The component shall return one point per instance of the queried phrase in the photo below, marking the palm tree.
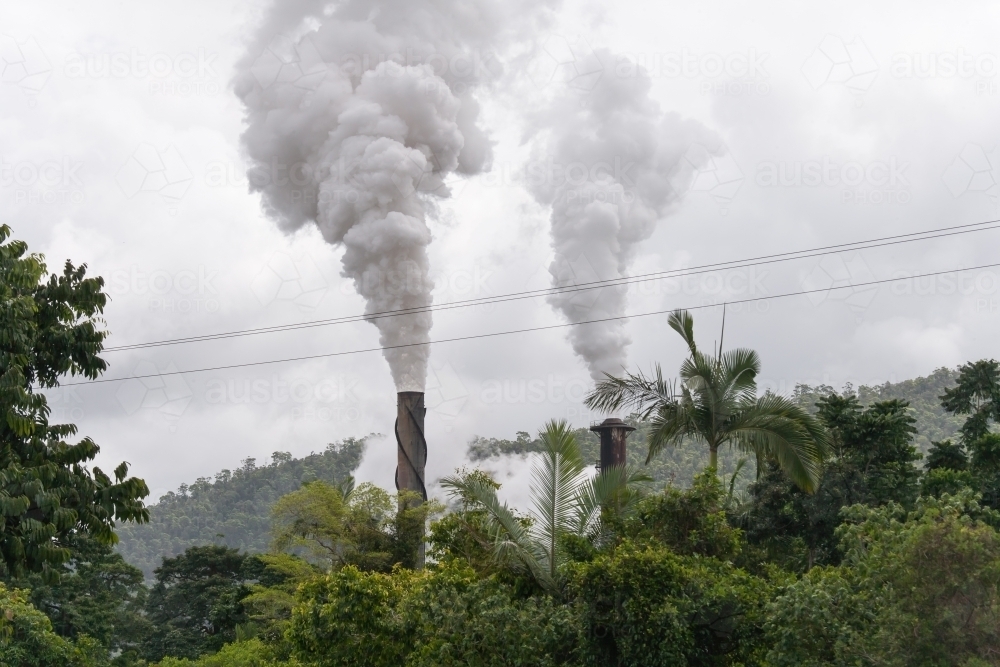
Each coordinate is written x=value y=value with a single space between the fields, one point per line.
x=718 y=404
x=565 y=502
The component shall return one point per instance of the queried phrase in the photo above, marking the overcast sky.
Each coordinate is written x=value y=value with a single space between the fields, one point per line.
x=887 y=113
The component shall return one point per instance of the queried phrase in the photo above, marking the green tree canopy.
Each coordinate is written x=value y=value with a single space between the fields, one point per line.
x=871 y=460
x=976 y=394
x=98 y=595
x=342 y=525
x=194 y=606
x=916 y=589
x=49 y=327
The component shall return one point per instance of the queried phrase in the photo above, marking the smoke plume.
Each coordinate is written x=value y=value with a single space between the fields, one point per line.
x=611 y=165
x=356 y=113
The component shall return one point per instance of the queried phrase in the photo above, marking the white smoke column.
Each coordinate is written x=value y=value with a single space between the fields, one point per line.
x=612 y=165
x=356 y=112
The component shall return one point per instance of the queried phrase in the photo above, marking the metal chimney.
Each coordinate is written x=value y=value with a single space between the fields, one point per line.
x=613 y=432
x=411 y=449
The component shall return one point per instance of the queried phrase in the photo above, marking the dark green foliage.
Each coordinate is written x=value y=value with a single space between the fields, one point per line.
x=877 y=442
x=922 y=589
x=272 y=596
x=644 y=605
x=462 y=534
x=458 y=619
x=351 y=618
x=98 y=594
x=933 y=422
x=195 y=605
x=446 y=617
x=986 y=453
x=947 y=456
x=689 y=522
x=939 y=481
x=26 y=636
x=976 y=395
x=236 y=506
x=871 y=462
x=49 y=328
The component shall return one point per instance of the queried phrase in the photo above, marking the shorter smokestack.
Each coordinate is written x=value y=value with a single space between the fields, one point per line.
x=411 y=453
x=613 y=432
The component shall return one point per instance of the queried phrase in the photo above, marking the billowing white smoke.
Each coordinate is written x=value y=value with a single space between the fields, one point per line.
x=611 y=166
x=356 y=112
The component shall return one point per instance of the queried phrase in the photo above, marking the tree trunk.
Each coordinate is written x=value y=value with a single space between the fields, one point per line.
x=713 y=457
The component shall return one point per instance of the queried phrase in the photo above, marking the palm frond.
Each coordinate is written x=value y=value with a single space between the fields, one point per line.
x=682 y=322
x=346 y=487
x=739 y=369
x=636 y=391
x=511 y=542
x=669 y=425
x=557 y=475
x=615 y=489
x=775 y=428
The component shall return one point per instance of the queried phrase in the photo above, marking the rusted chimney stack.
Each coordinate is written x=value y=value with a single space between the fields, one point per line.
x=411 y=450
x=613 y=432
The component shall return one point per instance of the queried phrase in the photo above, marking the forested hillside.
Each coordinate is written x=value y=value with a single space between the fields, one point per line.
x=234 y=508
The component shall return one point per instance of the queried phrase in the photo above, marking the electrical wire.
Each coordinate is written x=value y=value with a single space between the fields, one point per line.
x=526 y=330
x=598 y=284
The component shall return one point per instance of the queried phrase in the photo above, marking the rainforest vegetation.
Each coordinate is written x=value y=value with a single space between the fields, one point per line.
x=848 y=527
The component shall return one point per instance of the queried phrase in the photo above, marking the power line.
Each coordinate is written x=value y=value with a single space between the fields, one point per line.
x=527 y=330
x=597 y=284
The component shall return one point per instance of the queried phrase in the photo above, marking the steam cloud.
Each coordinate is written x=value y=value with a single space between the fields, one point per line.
x=356 y=113
x=614 y=165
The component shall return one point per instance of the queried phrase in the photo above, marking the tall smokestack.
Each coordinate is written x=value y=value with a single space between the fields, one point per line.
x=411 y=452
x=613 y=432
